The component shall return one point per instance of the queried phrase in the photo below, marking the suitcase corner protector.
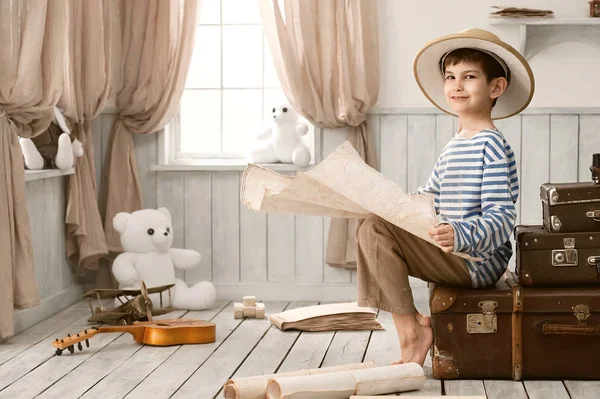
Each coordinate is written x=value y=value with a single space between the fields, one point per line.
x=443 y=367
x=442 y=298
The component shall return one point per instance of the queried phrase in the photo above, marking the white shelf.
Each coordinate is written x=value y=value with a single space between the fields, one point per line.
x=536 y=34
x=31 y=175
x=544 y=21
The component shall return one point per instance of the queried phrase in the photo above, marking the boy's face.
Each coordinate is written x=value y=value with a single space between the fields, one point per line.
x=467 y=90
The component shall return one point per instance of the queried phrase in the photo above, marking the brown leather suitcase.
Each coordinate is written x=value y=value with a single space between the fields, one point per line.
x=547 y=259
x=512 y=332
x=570 y=207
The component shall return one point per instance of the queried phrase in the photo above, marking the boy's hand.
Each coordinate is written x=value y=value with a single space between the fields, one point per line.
x=443 y=235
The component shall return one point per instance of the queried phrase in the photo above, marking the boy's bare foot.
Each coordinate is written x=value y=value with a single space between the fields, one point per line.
x=415 y=335
x=415 y=344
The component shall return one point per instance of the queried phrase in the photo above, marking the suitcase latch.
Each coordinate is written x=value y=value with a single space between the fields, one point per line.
x=567 y=256
x=594 y=215
x=485 y=322
x=556 y=223
x=582 y=313
x=594 y=261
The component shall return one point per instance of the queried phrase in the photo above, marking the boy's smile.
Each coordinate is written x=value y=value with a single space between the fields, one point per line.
x=466 y=88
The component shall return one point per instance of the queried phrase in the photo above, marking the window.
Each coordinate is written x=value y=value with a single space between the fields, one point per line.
x=231 y=86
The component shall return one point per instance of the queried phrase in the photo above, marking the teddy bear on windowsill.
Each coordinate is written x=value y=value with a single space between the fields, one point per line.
x=54 y=148
x=282 y=141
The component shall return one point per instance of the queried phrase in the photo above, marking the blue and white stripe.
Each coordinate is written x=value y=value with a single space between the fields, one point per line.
x=475 y=188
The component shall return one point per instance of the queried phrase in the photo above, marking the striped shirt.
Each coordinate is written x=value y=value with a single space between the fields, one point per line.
x=475 y=188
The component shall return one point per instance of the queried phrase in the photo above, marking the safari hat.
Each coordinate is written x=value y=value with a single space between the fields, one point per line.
x=428 y=70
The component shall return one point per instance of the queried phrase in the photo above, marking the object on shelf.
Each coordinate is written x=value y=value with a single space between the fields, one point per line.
x=515 y=12
x=594 y=8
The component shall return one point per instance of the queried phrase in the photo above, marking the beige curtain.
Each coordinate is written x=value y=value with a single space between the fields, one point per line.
x=158 y=40
x=94 y=37
x=32 y=56
x=327 y=59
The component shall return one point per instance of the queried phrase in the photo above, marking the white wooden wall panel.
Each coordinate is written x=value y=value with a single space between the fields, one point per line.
x=281 y=248
x=444 y=131
x=253 y=245
x=535 y=166
x=394 y=148
x=309 y=249
x=35 y=207
x=226 y=227
x=421 y=150
x=171 y=196
x=252 y=249
x=564 y=130
x=589 y=143
x=58 y=288
x=198 y=223
x=57 y=218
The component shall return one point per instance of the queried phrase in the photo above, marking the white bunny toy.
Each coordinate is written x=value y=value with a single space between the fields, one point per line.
x=54 y=147
x=282 y=141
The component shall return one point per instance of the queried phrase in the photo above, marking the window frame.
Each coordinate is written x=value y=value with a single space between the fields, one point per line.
x=170 y=140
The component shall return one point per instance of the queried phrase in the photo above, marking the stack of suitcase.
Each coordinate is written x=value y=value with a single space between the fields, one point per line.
x=543 y=322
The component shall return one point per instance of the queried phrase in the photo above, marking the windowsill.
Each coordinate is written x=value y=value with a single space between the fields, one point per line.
x=224 y=165
x=31 y=175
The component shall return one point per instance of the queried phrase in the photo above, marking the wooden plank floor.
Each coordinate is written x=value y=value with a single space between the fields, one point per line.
x=116 y=367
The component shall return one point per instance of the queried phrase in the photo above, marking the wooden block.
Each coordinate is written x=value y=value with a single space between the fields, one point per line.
x=249 y=301
x=238 y=310
x=249 y=311
x=260 y=311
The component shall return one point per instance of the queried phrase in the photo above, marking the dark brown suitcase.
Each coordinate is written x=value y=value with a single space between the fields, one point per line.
x=547 y=259
x=570 y=207
x=511 y=332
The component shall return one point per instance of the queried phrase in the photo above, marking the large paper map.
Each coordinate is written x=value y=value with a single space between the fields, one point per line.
x=343 y=186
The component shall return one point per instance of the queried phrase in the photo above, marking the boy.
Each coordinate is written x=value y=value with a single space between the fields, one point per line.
x=475 y=76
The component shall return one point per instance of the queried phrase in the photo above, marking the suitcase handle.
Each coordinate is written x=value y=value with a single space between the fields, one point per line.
x=549 y=328
x=594 y=215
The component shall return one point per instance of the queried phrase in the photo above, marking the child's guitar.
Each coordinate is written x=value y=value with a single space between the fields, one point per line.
x=157 y=333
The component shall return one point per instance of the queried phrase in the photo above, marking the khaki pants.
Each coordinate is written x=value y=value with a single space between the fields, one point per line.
x=387 y=255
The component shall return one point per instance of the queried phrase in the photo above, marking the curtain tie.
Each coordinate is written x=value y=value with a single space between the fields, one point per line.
x=2 y=112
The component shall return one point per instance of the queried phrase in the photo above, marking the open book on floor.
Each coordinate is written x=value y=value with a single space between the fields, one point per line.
x=328 y=317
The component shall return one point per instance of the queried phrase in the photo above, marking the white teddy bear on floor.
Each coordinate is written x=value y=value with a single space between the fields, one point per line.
x=146 y=238
x=282 y=141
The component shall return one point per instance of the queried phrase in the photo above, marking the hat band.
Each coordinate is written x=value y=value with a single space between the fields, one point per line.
x=494 y=56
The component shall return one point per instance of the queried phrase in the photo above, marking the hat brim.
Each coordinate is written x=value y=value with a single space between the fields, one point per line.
x=515 y=98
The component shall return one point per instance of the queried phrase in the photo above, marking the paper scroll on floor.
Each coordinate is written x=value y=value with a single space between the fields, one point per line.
x=255 y=387
x=343 y=384
x=343 y=186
